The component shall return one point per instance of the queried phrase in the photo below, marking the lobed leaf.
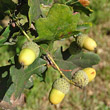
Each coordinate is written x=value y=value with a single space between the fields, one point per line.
x=68 y=62
x=21 y=76
x=60 y=23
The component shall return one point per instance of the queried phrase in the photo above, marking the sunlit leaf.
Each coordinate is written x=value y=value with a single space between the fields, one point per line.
x=60 y=23
x=68 y=62
x=21 y=76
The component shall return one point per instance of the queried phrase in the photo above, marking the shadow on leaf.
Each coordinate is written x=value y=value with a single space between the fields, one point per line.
x=5 y=80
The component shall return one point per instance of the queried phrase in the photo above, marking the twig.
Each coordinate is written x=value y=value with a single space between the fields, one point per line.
x=23 y=32
x=70 y=81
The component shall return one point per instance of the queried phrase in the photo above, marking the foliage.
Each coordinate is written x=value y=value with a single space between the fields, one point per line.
x=27 y=20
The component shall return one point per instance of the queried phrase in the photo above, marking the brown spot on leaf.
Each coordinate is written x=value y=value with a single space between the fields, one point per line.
x=62 y=36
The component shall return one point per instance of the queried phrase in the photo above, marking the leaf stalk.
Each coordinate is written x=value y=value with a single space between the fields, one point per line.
x=70 y=81
x=23 y=32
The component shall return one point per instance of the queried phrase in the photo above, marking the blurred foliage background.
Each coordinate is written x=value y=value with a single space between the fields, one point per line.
x=96 y=96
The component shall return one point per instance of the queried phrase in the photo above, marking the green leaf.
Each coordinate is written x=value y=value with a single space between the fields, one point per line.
x=23 y=17
x=45 y=9
x=68 y=62
x=84 y=26
x=38 y=67
x=78 y=7
x=21 y=76
x=1 y=28
x=5 y=83
x=34 y=10
x=51 y=75
x=29 y=83
x=9 y=93
x=15 y=80
x=6 y=6
x=4 y=36
x=20 y=41
x=74 y=48
x=44 y=48
x=12 y=60
x=60 y=23
x=23 y=14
